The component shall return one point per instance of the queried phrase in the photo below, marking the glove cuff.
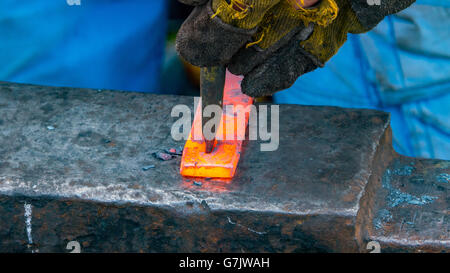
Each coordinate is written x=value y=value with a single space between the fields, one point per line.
x=322 y=13
x=242 y=14
x=205 y=40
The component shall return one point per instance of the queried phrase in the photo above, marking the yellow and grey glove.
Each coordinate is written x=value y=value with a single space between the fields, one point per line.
x=273 y=42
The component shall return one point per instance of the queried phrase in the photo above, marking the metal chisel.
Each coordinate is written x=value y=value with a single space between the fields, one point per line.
x=212 y=82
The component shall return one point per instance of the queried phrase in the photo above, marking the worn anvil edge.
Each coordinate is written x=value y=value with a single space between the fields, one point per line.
x=178 y=206
x=411 y=242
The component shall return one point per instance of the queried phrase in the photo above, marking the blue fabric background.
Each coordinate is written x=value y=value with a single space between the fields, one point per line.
x=110 y=44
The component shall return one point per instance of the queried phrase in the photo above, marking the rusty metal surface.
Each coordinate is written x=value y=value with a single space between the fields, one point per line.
x=79 y=158
x=411 y=212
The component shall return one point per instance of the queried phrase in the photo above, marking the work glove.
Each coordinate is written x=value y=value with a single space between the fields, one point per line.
x=273 y=42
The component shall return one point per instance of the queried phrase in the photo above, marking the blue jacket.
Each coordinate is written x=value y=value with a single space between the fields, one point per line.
x=402 y=66
x=111 y=44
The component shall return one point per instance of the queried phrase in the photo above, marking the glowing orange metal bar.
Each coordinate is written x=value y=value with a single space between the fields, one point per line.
x=223 y=160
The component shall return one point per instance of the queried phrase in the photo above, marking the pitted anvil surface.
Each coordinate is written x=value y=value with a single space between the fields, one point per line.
x=76 y=158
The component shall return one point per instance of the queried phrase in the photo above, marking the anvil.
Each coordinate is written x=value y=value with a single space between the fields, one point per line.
x=334 y=185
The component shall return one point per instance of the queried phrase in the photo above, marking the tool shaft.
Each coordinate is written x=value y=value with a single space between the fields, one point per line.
x=212 y=81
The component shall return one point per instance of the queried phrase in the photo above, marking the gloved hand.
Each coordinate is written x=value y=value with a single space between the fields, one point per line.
x=273 y=42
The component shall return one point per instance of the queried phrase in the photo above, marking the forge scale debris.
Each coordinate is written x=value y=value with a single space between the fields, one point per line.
x=146 y=168
x=163 y=156
x=174 y=151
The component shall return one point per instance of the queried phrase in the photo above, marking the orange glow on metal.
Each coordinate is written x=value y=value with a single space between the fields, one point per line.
x=223 y=160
